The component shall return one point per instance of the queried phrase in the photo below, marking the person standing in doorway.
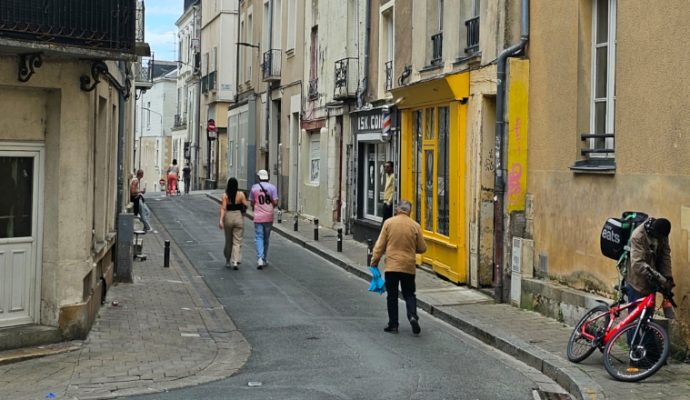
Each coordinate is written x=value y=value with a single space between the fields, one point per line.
x=264 y=198
x=136 y=196
x=388 y=191
x=232 y=207
x=401 y=239
x=186 y=176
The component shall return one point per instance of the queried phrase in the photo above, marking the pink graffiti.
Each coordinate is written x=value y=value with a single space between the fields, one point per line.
x=514 y=176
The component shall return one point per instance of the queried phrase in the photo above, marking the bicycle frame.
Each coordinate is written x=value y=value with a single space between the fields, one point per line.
x=640 y=310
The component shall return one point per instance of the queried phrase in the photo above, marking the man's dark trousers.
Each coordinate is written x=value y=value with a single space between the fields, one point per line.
x=407 y=284
x=387 y=212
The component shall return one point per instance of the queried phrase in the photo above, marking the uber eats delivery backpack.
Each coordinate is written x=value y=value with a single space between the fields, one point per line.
x=617 y=231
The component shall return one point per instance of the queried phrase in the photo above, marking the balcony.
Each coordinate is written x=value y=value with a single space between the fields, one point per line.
x=472 y=26
x=143 y=74
x=271 y=65
x=180 y=121
x=346 y=78
x=313 y=89
x=208 y=82
x=437 y=49
x=388 y=84
x=86 y=28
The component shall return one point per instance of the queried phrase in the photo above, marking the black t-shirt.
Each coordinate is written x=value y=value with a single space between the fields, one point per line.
x=186 y=171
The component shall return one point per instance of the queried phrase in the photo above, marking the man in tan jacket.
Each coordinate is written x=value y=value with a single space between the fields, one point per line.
x=400 y=239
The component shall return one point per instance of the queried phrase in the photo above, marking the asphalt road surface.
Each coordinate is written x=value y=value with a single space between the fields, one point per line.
x=317 y=333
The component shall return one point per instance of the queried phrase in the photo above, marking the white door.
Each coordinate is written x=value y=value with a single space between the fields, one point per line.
x=20 y=233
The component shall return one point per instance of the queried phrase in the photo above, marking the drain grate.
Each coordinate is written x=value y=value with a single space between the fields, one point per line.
x=542 y=395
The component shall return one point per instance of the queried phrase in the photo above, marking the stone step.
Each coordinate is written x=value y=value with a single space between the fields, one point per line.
x=28 y=336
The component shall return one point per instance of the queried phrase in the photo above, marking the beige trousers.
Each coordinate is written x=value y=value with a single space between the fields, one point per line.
x=233 y=223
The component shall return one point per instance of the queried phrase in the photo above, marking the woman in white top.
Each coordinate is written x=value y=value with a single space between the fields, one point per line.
x=173 y=170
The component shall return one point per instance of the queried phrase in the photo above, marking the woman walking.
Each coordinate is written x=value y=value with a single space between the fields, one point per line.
x=232 y=222
x=173 y=170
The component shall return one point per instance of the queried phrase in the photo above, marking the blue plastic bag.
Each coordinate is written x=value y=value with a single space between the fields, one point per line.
x=377 y=284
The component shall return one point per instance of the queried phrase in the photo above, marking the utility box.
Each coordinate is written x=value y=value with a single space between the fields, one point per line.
x=125 y=229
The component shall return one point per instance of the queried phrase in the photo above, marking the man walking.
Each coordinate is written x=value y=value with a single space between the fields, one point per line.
x=264 y=198
x=186 y=176
x=401 y=239
x=136 y=196
x=388 y=191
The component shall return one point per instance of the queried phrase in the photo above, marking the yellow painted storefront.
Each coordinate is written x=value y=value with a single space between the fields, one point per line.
x=433 y=168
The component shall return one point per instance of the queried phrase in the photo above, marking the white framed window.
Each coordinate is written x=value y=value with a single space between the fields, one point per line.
x=277 y=24
x=314 y=158
x=250 y=50
x=264 y=27
x=386 y=47
x=292 y=24
x=603 y=94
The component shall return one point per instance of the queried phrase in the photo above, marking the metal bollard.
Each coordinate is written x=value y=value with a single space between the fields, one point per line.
x=166 y=255
x=370 y=250
x=280 y=216
x=316 y=229
x=340 y=240
x=294 y=225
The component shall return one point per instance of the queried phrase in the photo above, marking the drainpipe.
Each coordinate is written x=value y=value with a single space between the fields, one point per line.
x=499 y=177
x=124 y=67
x=365 y=80
x=268 y=91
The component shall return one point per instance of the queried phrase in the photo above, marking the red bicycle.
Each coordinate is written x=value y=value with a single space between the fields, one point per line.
x=634 y=348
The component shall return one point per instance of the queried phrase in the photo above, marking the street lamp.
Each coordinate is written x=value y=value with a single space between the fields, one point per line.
x=141 y=132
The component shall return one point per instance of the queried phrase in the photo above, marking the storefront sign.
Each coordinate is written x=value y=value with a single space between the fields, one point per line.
x=368 y=121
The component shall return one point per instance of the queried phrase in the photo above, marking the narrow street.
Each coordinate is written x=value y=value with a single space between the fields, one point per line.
x=316 y=333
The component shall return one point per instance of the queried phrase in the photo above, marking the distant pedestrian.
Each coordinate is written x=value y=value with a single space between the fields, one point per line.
x=401 y=239
x=388 y=191
x=186 y=176
x=264 y=198
x=173 y=171
x=136 y=196
x=232 y=207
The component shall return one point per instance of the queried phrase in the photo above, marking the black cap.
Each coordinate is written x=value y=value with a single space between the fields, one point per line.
x=661 y=227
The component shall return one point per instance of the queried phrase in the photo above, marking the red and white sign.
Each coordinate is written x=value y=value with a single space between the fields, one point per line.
x=211 y=125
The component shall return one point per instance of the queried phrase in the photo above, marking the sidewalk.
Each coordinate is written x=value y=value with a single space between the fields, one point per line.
x=164 y=331
x=530 y=337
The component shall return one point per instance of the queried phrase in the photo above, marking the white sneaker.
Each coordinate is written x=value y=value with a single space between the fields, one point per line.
x=260 y=263
x=234 y=265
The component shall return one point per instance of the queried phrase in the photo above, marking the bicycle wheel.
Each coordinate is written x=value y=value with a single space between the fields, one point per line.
x=596 y=321
x=633 y=362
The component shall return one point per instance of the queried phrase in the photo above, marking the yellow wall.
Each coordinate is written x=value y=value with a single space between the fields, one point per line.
x=651 y=143
x=518 y=85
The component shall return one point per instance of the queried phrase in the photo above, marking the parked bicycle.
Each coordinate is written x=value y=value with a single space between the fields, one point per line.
x=635 y=347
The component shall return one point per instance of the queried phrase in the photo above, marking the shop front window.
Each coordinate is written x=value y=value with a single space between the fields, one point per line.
x=375 y=178
x=417 y=164
x=442 y=173
x=431 y=168
x=429 y=190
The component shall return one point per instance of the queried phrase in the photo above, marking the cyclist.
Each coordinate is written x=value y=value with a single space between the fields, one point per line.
x=650 y=259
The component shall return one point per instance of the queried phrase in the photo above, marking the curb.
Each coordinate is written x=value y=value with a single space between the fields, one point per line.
x=572 y=379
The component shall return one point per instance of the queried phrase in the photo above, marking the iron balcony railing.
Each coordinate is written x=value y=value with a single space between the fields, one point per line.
x=143 y=73
x=472 y=25
x=599 y=143
x=313 y=89
x=346 y=78
x=271 y=65
x=107 y=25
x=437 y=49
x=389 y=76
